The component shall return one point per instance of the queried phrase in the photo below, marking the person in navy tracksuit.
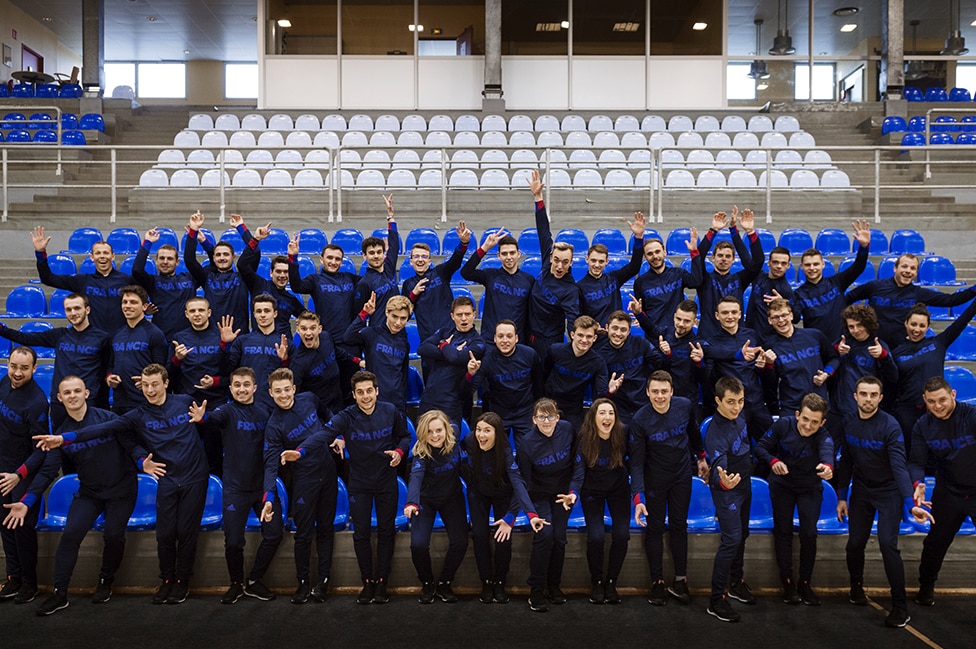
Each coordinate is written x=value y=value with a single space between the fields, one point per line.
x=506 y=289
x=287 y=304
x=947 y=434
x=510 y=375
x=240 y=424
x=107 y=485
x=682 y=349
x=600 y=288
x=435 y=487
x=570 y=368
x=381 y=272
x=102 y=288
x=602 y=449
x=728 y=454
x=800 y=455
x=661 y=289
x=263 y=350
x=138 y=344
x=553 y=477
x=375 y=435
x=385 y=347
x=554 y=301
x=630 y=357
x=222 y=285
x=23 y=415
x=331 y=289
x=163 y=441
x=317 y=363
x=722 y=281
x=430 y=287
x=294 y=420
x=766 y=287
x=665 y=452
x=495 y=490
x=873 y=452
x=447 y=353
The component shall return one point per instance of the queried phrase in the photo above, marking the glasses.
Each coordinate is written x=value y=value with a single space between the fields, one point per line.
x=781 y=316
x=420 y=256
x=546 y=418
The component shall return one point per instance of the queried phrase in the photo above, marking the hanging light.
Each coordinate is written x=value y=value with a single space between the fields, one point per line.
x=955 y=44
x=782 y=43
x=915 y=70
x=758 y=68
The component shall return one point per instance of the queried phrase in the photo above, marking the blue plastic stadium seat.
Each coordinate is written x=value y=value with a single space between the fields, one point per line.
x=73 y=138
x=22 y=91
x=213 y=509
x=935 y=270
x=341 y=520
x=963 y=348
x=917 y=124
x=945 y=124
x=19 y=136
x=13 y=120
x=47 y=91
x=306 y=266
x=878 y=245
x=58 y=501
x=71 y=91
x=827 y=522
x=941 y=138
x=92 y=122
x=41 y=121
x=415 y=386
x=208 y=235
x=311 y=241
x=144 y=515
x=576 y=522
x=832 y=241
x=276 y=243
x=484 y=235
x=36 y=326
x=254 y=525
x=866 y=276
x=613 y=239
x=231 y=236
x=701 y=509
x=124 y=241
x=913 y=139
x=26 y=302
x=425 y=235
x=677 y=239
x=532 y=265
x=796 y=240
x=349 y=239
x=69 y=122
x=960 y=94
x=406 y=270
x=528 y=242
x=167 y=236
x=966 y=138
x=576 y=238
x=907 y=240
x=264 y=268
x=43 y=376
x=936 y=94
x=413 y=339
x=4 y=91
x=55 y=304
x=761 y=511
x=384 y=233
x=893 y=124
x=46 y=137
x=912 y=93
x=81 y=241
x=962 y=381
x=4 y=352
x=968 y=123
x=451 y=241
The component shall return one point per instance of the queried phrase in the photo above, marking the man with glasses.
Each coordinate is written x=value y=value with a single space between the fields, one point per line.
x=430 y=288
x=767 y=287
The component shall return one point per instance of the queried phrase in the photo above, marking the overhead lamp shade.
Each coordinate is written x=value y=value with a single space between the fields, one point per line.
x=782 y=44
x=955 y=45
x=758 y=70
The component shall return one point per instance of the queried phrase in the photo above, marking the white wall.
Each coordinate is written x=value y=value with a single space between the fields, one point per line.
x=57 y=57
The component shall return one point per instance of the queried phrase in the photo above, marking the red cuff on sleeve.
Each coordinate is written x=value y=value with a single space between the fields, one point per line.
x=400 y=451
x=22 y=472
x=216 y=380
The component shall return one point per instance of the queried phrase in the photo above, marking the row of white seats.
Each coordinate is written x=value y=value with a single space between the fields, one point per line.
x=492 y=159
x=387 y=139
x=495 y=179
x=597 y=123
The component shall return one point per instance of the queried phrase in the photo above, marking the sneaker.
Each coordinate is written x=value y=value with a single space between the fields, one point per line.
x=598 y=595
x=445 y=592
x=789 y=593
x=320 y=591
x=302 y=593
x=898 y=618
x=806 y=594
x=742 y=593
x=487 y=595
x=679 y=591
x=537 y=602
x=926 y=595
x=556 y=596
x=501 y=597
x=26 y=594
x=427 y=593
x=659 y=594
x=857 y=596
x=9 y=588
x=366 y=594
x=613 y=597
x=234 y=593
x=178 y=595
x=103 y=592
x=721 y=609
x=162 y=593
x=380 y=596
x=258 y=590
x=57 y=601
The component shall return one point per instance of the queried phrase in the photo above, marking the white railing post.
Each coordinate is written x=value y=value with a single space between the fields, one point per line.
x=769 y=188
x=223 y=188
x=443 y=185
x=114 y=153
x=5 y=197
x=877 y=185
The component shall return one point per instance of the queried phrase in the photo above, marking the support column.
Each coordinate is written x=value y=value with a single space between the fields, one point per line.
x=892 y=72
x=92 y=42
x=492 y=101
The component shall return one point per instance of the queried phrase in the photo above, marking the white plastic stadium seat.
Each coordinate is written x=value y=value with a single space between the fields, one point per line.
x=524 y=159
x=432 y=159
x=440 y=123
x=246 y=178
x=612 y=159
x=370 y=178
x=599 y=123
x=281 y=122
x=558 y=178
x=413 y=123
x=679 y=123
x=679 y=178
x=546 y=123
x=660 y=139
x=344 y=180
x=672 y=158
x=212 y=178
x=463 y=178
x=406 y=159
x=289 y=159
x=787 y=123
x=710 y=178
x=360 y=123
x=625 y=123
x=639 y=159
x=233 y=159
x=549 y=138
x=745 y=140
x=756 y=159
x=153 y=178
x=728 y=158
x=707 y=123
x=690 y=139
x=184 y=178
x=354 y=138
x=834 y=178
x=439 y=138
x=277 y=178
x=200 y=122
x=299 y=139
x=382 y=139
x=760 y=123
x=466 y=138
x=788 y=159
x=774 y=139
x=633 y=138
x=776 y=179
x=493 y=138
x=520 y=123
x=243 y=140
x=214 y=139
x=271 y=140
x=521 y=138
x=587 y=178
x=464 y=159
x=467 y=123
x=401 y=178
x=387 y=123
x=376 y=160
x=318 y=158
x=410 y=138
x=260 y=159
x=334 y=123
x=171 y=158
x=802 y=140
x=741 y=178
x=253 y=122
x=578 y=139
x=817 y=159
x=493 y=123
x=733 y=123
x=494 y=159
x=643 y=179
x=618 y=178
x=699 y=159
x=200 y=158
x=227 y=122
x=307 y=122
x=582 y=159
x=430 y=178
x=804 y=178
x=653 y=123
x=349 y=159
x=326 y=139
x=309 y=178
x=606 y=140
x=717 y=140
x=494 y=178
x=186 y=139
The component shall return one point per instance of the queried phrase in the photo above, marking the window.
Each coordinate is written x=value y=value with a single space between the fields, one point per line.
x=966 y=76
x=823 y=81
x=241 y=80
x=119 y=74
x=738 y=84
x=161 y=81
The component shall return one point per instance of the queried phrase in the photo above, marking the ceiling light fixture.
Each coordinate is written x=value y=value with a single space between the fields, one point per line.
x=46 y=19
x=955 y=44
x=757 y=70
x=843 y=12
x=626 y=27
x=415 y=28
x=564 y=24
x=782 y=44
x=152 y=19
x=700 y=27
x=849 y=27
x=284 y=22
x=548 y=27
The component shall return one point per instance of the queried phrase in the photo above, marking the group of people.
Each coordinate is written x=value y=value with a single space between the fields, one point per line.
x=246 y=383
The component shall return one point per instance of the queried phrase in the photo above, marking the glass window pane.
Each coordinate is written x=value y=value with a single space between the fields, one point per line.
x=372 y=28
x=966 y=76
x=241 y=81
x=738 y=84
x=823 y=81
x=539 y=27
x=310 y=27
x=119 y=74
x=458 y=25
x=673 y=27
x=161 y=80
x=609 y=27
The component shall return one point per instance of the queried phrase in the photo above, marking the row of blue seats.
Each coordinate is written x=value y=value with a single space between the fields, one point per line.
x=918 y=139
x=942 y=124
x=42 y=91
x=936 y=93
x=23 y=136
x=44 y=121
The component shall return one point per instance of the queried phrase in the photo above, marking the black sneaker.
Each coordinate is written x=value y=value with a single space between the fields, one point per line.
x=26 y=594
x=898 y=618
x=427 y=593
x=10 y=588
x=180 y=590
x=537 y=602
x=445 y=592
x=598 y=595
x=380 y=596
x=742 y=593
x=659 y=594
x=162 y=593
x=234 y=593
x=789 y=593
x=320 y=591
x=302 y=593
x=679 y=591
x=613 y=597
x=721 y=609
x=103 y=592
x=366 y=594
x=556 y=596
x=501 y=597
x=57 y=601
x=926 y=595
x=258 y=590
x=857 y=596
x=806 y=594
x=487 y=595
